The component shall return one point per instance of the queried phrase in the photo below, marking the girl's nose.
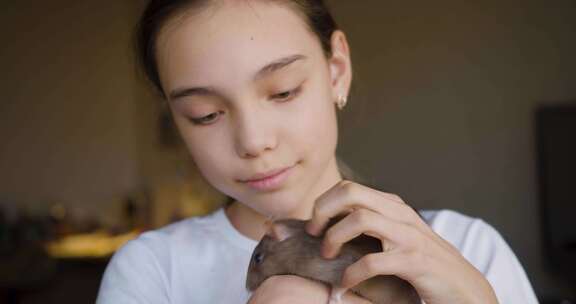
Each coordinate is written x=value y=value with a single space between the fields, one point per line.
x=255 y=134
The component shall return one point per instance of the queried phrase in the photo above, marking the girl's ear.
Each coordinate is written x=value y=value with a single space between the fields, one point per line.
x=279 y=231
x=340 y=65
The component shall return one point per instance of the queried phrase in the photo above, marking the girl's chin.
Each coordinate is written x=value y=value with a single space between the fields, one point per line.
x=275 y=207
x=283 y=203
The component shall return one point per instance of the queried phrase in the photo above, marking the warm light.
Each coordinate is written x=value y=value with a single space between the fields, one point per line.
x=94 y=245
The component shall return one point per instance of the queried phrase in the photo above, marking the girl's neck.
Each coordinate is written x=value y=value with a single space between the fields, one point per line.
x=247 y=221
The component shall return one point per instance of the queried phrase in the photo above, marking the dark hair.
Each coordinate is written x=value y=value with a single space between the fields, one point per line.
x=158 y=12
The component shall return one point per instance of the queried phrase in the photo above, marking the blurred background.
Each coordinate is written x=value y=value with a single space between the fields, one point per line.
x=465 y=105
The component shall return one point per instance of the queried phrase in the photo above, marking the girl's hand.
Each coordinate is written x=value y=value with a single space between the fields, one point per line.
x=288 y=289
x=412 y=251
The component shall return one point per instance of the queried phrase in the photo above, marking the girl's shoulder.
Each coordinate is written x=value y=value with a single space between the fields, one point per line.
x=190 y=227
x=485 y=248
x=192 y=237
x=161 y=239
x=142 y=270
x=463 y=231
x=209 y=231
x=166 y=264
x=158 y=246
x=478 y=241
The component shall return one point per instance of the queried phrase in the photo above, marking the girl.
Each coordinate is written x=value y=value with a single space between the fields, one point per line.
x=253 y=87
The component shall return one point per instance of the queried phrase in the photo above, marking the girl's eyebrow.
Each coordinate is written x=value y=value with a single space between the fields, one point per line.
x=264 y=71
x=277 y=65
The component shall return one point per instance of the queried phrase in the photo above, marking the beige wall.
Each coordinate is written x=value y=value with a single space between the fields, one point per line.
x=442 y=106
x=67 y=118
x=441 y=111
x=78 y=127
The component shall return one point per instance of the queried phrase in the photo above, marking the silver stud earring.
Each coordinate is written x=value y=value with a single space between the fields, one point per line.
x=341 y=102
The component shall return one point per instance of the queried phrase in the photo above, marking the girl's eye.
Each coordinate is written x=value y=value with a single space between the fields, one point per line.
x=208 y=119
x=288 y=95
x=212 y=117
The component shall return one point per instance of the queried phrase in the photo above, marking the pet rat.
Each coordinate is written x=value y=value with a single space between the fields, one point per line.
x=288 y=249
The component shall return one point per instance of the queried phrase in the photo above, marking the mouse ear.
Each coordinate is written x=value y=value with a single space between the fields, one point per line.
x=279 y=231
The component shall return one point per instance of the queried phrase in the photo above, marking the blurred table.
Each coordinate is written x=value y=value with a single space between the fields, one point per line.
x=29 y=278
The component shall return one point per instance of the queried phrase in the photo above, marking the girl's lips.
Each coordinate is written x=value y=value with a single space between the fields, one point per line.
x=261 y=176
x=270 y=181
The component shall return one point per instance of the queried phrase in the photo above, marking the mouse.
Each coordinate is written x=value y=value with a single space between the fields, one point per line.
x=287 y=249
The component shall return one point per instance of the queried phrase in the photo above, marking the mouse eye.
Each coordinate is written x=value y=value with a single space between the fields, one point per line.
x=258 y=257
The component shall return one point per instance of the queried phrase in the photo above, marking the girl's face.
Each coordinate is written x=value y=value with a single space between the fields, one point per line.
x=252 y=93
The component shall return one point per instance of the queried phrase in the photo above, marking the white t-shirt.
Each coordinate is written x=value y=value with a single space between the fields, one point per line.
x=204 y=260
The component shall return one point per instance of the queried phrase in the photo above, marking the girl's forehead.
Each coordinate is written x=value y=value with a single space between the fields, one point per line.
x=235 y=25
x=231 y=39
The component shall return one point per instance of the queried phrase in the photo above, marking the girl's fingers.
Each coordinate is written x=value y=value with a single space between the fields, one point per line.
x=392 y=234
x=294 y=289
x=347 y=196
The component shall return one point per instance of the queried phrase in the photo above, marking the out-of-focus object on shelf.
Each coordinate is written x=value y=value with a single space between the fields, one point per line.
x=88 y=245
x=556 y=144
